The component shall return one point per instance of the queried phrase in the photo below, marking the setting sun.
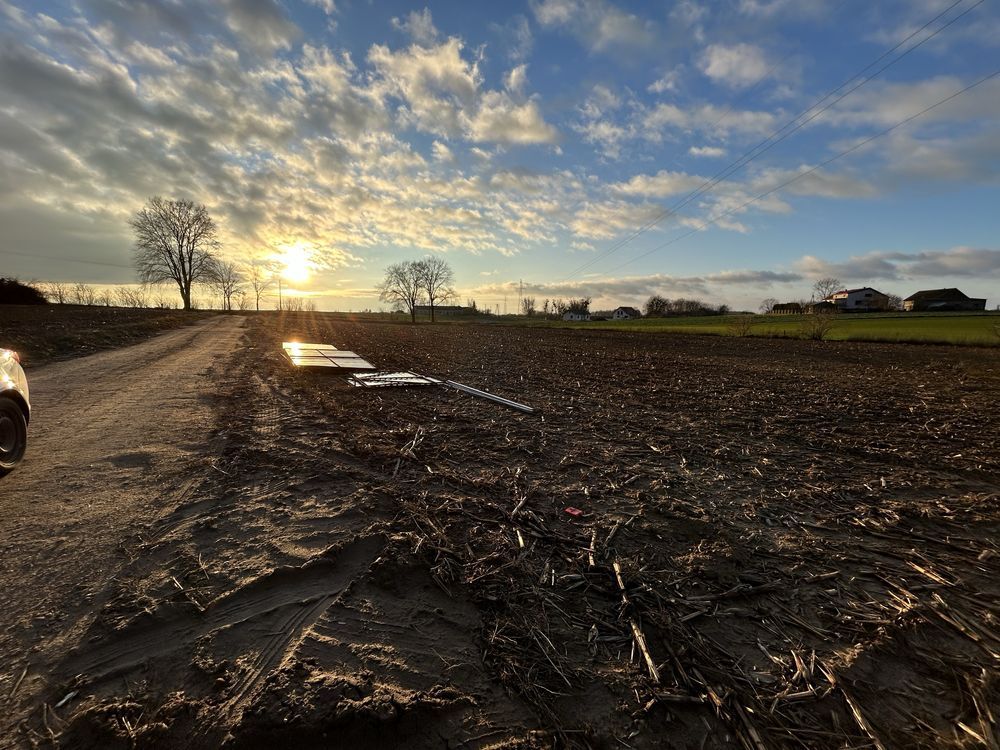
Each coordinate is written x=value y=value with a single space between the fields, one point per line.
x=296 y=262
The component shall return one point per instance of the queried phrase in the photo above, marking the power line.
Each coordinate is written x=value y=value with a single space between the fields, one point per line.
x=767 y=144
x=807 y=172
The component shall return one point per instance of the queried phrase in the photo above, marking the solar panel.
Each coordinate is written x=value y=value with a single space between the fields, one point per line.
x=323 y=355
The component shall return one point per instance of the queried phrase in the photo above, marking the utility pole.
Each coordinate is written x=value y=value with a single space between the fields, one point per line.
x=520 y=295
x=505 y=304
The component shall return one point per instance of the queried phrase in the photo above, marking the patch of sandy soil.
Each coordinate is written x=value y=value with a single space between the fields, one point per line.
x=782 y=544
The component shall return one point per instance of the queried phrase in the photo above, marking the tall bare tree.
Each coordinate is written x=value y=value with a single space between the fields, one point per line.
x=528 y=306
x=826 y=286
x=403 y=285
x=227 y=282
x=767 y=305
x=260 y=281
x=175 y=241
x=436 y=279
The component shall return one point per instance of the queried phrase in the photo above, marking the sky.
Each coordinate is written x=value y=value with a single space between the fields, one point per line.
x=564 y=147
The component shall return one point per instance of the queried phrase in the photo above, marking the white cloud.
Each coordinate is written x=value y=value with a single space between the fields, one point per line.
x=327 y=6
x=668 y=82
x=501 y=120
x=598 y=24
x=419 y=26
x=442 y=153
x=664 y=183
x=737 y=65
x=933 y=265
x=262 y=25
x=706 y=118
x=712 y=152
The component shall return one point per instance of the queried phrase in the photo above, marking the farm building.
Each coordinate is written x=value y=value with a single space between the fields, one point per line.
x=576 y=315
x=787 y=308
x=942 y=300
x=864 y=299
x=625 y=313
x=820 y=307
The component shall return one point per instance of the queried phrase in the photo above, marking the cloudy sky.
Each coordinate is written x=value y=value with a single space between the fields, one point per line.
x=582 y=146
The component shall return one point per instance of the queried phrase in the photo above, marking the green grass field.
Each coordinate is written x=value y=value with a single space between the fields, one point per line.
x=963 y=329
x=927 y=328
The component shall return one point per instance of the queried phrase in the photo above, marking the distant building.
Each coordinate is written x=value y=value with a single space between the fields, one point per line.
x=820 y=307
x=787 y=308
x=942 y=300
x=576 y=315
x=625 y=313
x=864 y=299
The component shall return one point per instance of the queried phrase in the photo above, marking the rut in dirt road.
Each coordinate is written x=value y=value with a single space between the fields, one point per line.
x=115 y=440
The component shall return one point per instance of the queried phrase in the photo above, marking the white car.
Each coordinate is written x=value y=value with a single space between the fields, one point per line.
x=15 y=410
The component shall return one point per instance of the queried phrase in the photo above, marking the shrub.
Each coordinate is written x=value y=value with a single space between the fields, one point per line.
x=817 y=326
x=740 y=325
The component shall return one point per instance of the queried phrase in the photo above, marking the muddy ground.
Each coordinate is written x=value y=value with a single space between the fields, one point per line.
x=48 y=333
x=782 y=544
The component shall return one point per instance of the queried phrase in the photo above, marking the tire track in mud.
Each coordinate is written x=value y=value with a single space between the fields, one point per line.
x=318 y=580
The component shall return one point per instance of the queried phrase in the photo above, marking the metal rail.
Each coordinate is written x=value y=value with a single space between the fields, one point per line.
x=492 y=397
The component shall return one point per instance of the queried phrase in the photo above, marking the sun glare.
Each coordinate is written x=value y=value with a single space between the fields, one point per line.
x=296 y=262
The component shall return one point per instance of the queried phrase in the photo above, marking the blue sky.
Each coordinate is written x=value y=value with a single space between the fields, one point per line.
x=523 y=141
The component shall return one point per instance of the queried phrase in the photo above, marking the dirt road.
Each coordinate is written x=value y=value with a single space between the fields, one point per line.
x=115 y=439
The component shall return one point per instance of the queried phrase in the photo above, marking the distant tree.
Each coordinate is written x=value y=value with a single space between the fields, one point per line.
x=57 y=291
x=242 y=300
x=260 y=281
x=83 y=294
x=579 y=305
x=528 y=306
x=13 y=292
x=471 y=304
x=436 y=280
x=767 y=305
x=106 y=297
x=545 y=307
x=227 y=281
x=175 y=241
x=656 y=306
x=722 y=309
x=131 y=296
x=826 y=286
x=894 y=303
x=403 y=287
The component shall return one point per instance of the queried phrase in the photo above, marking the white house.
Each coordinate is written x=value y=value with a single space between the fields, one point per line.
x=865 y=299
x=575 y=315
x=625 y=313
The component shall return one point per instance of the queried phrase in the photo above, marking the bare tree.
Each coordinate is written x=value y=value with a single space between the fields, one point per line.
x=403 y=286
x=894 y=302
x=83 y=294
x=528 y=306
x=767 y=305
x=227 y=282
x=242 y=301
x=175 y=241
x=260 y=281
x=436 y=279
x=826 y=286
x=131 y=296
x=106 y=297
x=57 y=292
